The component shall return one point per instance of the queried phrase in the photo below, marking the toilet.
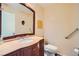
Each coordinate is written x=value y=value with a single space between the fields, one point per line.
x=50 y=50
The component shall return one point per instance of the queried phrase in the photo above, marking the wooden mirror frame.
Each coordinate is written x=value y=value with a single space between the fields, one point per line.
x=20 y=35
x=0 y=19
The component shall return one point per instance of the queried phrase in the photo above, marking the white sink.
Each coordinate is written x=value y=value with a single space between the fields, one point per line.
x=25 y=40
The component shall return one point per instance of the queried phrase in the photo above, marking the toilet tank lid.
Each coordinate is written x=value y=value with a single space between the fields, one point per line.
x=50 y=47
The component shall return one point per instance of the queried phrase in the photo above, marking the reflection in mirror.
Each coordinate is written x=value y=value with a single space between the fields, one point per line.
x=17 y=19
x=23 y=22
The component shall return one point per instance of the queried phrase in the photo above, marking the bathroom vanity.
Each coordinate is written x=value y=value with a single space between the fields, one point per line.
x=18 y=21
x=19 y=48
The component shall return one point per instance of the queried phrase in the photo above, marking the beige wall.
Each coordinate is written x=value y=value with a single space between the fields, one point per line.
x=39 y=15
x=59 y=21
x=76 y=25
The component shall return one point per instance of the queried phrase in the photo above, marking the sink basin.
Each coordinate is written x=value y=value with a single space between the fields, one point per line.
x=2 y=41
x=25 y=40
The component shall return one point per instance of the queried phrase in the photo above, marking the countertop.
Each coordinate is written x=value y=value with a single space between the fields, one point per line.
x=10 y=46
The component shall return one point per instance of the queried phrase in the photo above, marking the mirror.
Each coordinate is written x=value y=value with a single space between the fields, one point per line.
x=17 y=20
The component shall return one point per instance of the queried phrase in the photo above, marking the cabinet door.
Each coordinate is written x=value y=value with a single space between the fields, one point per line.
x=27 y=51
x=41 y=47
x=35 y=49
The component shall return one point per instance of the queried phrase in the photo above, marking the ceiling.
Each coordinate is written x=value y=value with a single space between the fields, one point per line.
x=47 y=5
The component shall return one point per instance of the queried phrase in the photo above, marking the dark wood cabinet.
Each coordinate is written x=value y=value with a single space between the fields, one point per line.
x=36 y=49
x=0 y=19
x=14 y=53
x=27 y=51
x=41 y=47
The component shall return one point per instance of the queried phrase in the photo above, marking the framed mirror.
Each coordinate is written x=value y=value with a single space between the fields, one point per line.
x=17 y=20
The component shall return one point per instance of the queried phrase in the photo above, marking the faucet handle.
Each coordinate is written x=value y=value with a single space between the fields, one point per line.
x=14 y=33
